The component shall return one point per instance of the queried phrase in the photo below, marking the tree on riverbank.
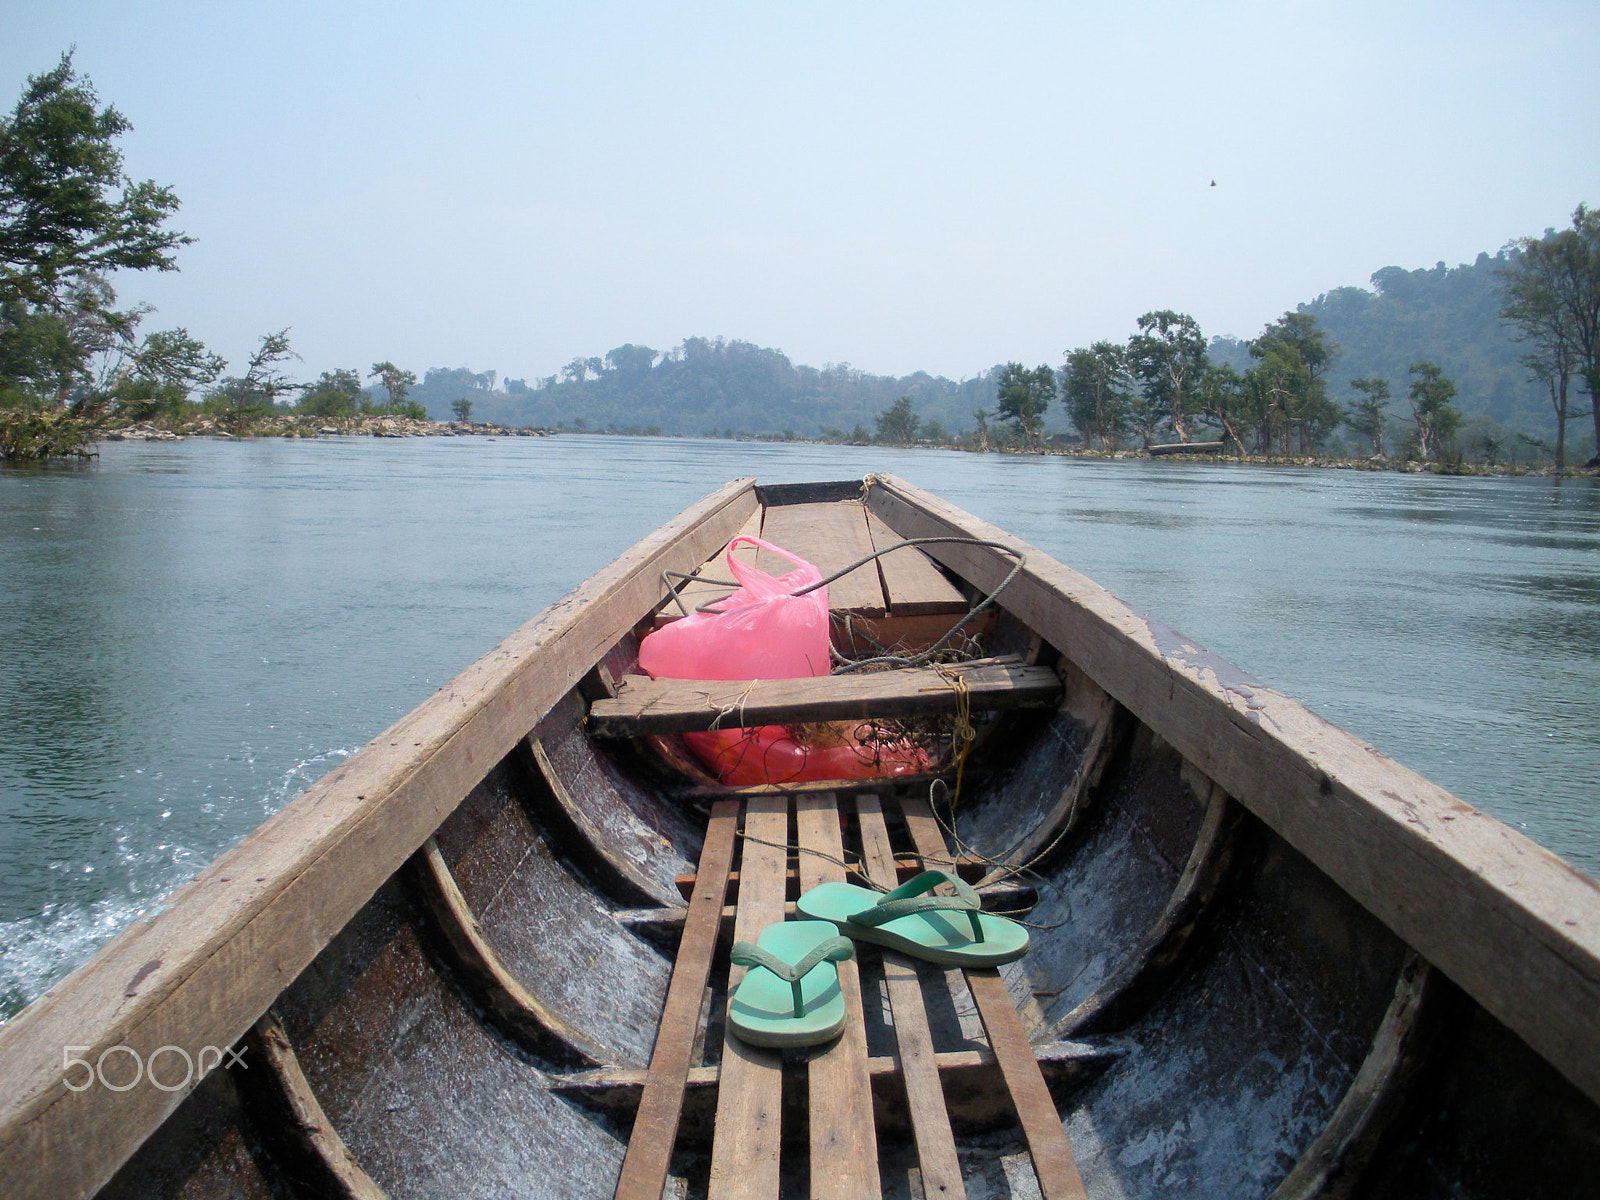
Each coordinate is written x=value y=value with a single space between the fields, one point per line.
x=1166 y=356
x=68 y=217
x=1367 y=415
x=1022 y=396
x=1431 y=411
x=1552 y=298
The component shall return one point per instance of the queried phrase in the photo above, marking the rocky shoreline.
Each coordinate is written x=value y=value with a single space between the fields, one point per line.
x=400 y=427
x=1394 y=465
x=312 y=427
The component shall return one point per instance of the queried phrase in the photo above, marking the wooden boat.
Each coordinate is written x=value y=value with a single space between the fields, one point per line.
x=487 y=956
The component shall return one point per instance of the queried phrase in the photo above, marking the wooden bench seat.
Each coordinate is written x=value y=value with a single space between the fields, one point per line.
x=645 y=707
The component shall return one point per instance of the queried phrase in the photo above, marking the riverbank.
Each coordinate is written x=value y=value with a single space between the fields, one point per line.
x=292 y=426
x=1391 y=465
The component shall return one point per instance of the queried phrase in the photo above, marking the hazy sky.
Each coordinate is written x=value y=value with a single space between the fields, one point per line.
x=899 y=186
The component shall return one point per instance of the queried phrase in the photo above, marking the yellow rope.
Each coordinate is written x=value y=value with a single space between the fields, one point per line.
x=964 y=733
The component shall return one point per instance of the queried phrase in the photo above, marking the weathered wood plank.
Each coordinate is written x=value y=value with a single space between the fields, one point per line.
x=1051 y=1153
x=913 y=585
x=645 y=706
x=700 y=590
x=1149 y=967
x=282 y=1098
x=744 y=1150
x=1331 y=1168
x=208 y=966
x=844 y=1144
x=830 y=536
x=930 y=1121
x=516 y=1010
x=1513 y=925
x=655 y=1128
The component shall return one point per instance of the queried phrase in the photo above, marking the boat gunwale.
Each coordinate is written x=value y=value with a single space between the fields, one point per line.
x=1512 y=924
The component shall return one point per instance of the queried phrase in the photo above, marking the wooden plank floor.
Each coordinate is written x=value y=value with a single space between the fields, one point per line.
x=844 y=1142
x=844 y=1162
x=744 y=1151
x=655 y=1127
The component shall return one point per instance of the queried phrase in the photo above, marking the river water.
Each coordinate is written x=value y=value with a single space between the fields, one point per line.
x=192 y=632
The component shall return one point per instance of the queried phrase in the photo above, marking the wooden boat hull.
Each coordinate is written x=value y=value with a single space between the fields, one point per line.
x=1268 y=961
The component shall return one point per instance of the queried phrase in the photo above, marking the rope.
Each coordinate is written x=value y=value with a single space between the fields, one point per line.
x=673 y=595
x=964 y=733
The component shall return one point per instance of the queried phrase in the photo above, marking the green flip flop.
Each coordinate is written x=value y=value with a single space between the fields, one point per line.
x=790 y=996
x=950 y=930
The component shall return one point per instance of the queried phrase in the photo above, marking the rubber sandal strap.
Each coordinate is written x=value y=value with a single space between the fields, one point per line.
x=911 y=897
x=834 y=949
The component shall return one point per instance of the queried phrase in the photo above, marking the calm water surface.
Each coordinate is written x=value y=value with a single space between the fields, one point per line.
x=192 y=632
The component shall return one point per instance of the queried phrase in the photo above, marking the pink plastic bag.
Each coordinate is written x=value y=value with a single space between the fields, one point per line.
x=765 y=631
x=762 y=631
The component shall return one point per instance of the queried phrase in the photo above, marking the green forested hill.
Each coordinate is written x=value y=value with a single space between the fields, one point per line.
x=1446 y=315
x=703 y=386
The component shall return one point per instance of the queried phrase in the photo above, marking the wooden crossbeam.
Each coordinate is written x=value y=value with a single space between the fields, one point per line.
x=645 y=706
x=655 y=1128
x=1048 y=1147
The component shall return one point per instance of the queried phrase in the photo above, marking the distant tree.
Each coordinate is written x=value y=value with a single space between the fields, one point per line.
x=631 y=359
x=1300 y=354
x=981 y=416
x=1221 y=396
x=264 y=380
x=933 y=431
x=1551 y=294
x=1166 y=356
x=1022 y=396
x=1096 y=392
x=1367 y=415
x=1433 y=414
x=335 y=394
x=462 y=409
x=396 y=383
x=897 y=424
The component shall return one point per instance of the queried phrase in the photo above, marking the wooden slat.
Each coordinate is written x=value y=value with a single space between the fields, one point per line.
x=655 y=1128
x=1048 y=1147
x=912 y=583
x=227 y=943
x=844 y=1144
x=830 y=536
x=1506 y=920
x=644 y=706
x=744 y=1149
x=930 y=1120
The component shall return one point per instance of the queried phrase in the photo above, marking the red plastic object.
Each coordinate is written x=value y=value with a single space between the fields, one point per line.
x=765 y=631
